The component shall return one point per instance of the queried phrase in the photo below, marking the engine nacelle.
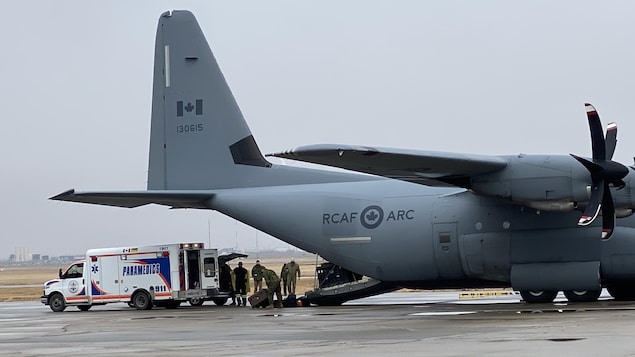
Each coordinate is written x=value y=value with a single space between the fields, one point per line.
x=544 y=182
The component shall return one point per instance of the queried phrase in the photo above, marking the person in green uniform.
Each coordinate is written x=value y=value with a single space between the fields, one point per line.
x=256 y=273
x=284 y=274
x=294 y=272
x=273 y=285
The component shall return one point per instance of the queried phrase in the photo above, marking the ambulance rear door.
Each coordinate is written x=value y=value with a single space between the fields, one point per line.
x=209 y=268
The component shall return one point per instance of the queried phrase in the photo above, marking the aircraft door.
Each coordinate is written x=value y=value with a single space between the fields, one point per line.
x=209 y=268
x=446 y=250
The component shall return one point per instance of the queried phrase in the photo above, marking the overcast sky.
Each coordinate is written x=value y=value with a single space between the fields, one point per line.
x=488 y=77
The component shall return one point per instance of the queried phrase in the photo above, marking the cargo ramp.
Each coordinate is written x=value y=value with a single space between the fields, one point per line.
x=337 y=285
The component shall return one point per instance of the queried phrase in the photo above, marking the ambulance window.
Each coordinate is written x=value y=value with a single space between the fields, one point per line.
x=75 y=271
x=209 y=266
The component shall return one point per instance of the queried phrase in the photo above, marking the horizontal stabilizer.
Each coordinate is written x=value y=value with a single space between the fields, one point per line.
x=423 y=167
x=131 y=199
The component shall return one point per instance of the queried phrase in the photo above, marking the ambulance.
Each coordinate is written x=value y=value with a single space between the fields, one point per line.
x=159 y=275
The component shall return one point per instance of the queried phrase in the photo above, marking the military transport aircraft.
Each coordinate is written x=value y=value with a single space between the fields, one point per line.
x=421 y=219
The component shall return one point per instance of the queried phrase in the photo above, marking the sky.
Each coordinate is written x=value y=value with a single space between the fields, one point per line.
x=486 y=77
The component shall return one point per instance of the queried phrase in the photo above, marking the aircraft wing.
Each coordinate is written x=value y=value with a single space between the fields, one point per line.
x=423 y=167
x=131 y=199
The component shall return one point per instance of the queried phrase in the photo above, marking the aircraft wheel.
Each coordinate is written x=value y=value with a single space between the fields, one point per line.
x=622 y=291
x=57 y=303
x=219 y=301
x=538 y=297
x=196 y=301
x=84 y=307
x=582 y=296
x=141 y=301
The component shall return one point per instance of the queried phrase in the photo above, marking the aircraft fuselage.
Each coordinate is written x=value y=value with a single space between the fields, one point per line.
x=423 y=236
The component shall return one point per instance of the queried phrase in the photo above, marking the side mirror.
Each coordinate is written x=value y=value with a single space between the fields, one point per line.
x=60 y=273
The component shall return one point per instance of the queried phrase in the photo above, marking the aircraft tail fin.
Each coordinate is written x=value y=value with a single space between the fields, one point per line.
x=199 y=138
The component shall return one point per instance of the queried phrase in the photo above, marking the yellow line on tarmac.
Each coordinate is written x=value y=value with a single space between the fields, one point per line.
x=483 y=294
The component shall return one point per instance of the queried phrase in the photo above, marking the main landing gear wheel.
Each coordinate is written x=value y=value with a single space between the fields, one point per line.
x=141 y=301
x=84 y=307
x=582 y=296
x=538 y=296
x=623 y=291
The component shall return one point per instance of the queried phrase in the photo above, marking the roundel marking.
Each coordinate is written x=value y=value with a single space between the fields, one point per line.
x=372 y=216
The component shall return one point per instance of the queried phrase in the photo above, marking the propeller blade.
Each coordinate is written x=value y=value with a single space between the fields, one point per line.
x=597 y=136
x=611 y=140
x=593 y=168
x=608 y=214
x=595 y=203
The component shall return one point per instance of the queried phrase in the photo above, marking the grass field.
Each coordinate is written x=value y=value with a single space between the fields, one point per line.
x=38 y=274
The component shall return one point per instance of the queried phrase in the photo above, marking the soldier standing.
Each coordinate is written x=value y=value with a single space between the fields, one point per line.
x=256 y=273
x=284 y=274
x=242 y=283
x=294 y=271
x=273 y=285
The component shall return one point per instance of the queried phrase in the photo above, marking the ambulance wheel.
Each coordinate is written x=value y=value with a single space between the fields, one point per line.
x=538 y=296
x=582 y=296
x=141 y=300
x=219 y=301
x=84 y=307
x=56 y=302
x=196 y=301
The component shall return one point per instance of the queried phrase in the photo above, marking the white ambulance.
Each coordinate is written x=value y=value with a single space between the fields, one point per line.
x=158 y=275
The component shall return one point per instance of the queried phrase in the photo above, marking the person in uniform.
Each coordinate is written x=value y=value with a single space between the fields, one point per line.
x=242 y=283
x=294 y=272
x=284 y=274
x=256 y=274
x=227 y=281
x=273 y=285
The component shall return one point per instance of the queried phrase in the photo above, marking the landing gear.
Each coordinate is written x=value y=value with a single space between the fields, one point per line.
x=623 y=291
x=84 y=307
x=538 y=297
x=582 y=296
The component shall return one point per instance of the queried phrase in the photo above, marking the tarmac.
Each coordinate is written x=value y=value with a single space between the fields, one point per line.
x=404 y=324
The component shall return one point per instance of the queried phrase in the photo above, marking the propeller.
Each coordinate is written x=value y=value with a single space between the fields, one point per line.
x=603 y=171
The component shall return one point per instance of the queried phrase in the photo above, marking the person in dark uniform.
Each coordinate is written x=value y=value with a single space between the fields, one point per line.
x=242 y=283
x=227 y=281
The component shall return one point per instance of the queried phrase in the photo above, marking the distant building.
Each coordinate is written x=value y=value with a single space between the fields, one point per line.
x=45 y=258
x=23 y=254
x=35 y=257
x=12 y=257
